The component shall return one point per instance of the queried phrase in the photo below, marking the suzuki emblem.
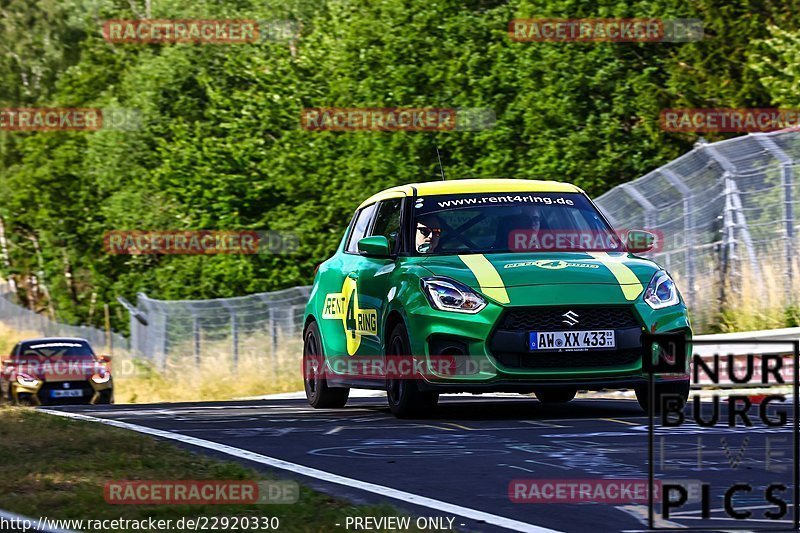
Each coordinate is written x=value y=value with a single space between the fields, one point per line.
x=571 y=318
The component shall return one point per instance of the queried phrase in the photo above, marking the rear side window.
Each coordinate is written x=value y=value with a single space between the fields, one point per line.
x=359 y=228
x=387 y=221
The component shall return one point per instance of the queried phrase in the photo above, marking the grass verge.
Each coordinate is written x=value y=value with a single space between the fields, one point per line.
x=56 y=467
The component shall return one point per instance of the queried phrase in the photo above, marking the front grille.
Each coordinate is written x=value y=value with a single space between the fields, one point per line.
x=568 y=360
x=45 y=397
x=552 y=318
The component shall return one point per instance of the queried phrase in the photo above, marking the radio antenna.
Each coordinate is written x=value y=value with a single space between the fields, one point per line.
x=441 y=168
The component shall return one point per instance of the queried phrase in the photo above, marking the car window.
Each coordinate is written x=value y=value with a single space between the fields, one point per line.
x=509 y=223
x=32 y=351
x=387 y=221
x=360 y=228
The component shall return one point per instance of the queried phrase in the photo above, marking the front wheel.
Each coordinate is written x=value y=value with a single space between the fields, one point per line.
x=406 y=400
x=319 y=394
x=676 y=389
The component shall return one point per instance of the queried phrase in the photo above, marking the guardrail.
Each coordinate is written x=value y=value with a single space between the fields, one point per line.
x=716 y=344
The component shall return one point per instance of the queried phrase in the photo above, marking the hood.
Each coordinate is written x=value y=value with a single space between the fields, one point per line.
x=485 y=272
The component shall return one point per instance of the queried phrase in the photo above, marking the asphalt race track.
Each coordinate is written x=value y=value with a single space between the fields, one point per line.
x=470 y=451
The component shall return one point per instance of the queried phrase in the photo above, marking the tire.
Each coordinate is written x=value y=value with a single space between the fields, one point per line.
x=680 y=389
x=406 y=400
x=318 y=393
x=556 y=394
x=106 y=399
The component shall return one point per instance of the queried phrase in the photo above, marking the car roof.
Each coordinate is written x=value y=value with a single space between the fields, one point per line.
x=53 y=339
x=467 y=186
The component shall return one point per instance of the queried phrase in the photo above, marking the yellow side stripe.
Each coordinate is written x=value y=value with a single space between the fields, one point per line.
x=628 y=282
x=488 y=278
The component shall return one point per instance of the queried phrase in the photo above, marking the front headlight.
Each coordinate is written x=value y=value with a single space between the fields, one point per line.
x=26 y=381
x=101 y=377
x=448 y=294
x=661 y=292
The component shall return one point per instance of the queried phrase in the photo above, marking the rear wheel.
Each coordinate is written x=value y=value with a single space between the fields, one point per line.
x=556 y=394
x=319 y=394
x=679 y=389
x=406 y=400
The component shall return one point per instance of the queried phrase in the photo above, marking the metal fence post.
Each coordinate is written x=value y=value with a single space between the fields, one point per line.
x=649 y=208
x=729 y=240
x=273 y=331
x=163 y=344
x=235 y=341
x=688 y=225
x=787 y=182
x=196 y=336
x=234 y=334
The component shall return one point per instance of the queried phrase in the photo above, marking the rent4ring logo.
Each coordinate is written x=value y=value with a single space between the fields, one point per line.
x=736 y=435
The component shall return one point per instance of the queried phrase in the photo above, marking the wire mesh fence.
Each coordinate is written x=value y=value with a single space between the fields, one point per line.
x=265 y=326
x=24 y=320
x=724 y=208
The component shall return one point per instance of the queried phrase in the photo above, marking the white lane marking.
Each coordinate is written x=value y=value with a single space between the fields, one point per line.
x=408 y=497
x=542 y=424
x=337 y=429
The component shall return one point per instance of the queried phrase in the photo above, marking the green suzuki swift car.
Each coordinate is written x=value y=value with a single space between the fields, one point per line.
x=489 y=285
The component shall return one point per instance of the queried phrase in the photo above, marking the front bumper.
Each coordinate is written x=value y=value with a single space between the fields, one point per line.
x=497 y=360
x=92 y=393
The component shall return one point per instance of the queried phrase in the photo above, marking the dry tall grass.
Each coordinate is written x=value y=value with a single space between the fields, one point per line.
x=751 y=298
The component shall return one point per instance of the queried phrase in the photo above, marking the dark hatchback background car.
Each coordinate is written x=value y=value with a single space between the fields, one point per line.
x=50 y=371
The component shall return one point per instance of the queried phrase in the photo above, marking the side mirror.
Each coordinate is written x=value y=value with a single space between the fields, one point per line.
x=104 y=358
x=374 y=246
x=639 y=241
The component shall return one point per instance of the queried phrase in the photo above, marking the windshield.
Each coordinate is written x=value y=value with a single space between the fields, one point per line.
x=41 y=351
x=510 y=223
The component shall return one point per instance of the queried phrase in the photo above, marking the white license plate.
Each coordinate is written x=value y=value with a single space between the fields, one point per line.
x=76 y=393
x=571 y=340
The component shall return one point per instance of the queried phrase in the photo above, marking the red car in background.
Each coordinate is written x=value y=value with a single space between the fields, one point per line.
x=50 y=371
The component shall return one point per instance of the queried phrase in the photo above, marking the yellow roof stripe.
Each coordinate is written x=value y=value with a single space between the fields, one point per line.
x=628 y=282
x=469 y=186
x=491 y=186
x=394 y=192
x=488 y=278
